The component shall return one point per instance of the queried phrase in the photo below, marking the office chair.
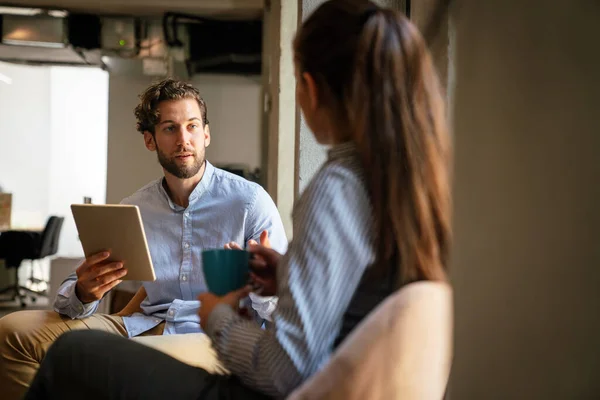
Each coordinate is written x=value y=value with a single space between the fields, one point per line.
x=16 y=246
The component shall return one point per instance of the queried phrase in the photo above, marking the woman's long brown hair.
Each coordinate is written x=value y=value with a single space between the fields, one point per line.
x=374 y=71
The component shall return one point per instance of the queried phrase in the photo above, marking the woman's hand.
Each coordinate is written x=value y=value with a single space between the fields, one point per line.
x=208 y=302
x=262 y=285
x=263 y=267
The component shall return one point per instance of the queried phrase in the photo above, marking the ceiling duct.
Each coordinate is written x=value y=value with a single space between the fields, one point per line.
x=234 y=47
x=56 y=37
x=37 y=36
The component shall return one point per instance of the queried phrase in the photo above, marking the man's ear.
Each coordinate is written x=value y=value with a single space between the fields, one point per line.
x=149 y=141
x=206 y=135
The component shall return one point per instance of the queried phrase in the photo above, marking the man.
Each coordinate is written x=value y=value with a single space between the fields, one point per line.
x=195 y=206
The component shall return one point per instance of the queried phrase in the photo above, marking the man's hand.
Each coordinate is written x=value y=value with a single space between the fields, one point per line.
x=96 y=276
x=209 y=301
x=263 y=268
x=264 y=240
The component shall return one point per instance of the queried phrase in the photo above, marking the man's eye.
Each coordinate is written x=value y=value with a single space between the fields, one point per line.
x=170 y=128
x=193 y=126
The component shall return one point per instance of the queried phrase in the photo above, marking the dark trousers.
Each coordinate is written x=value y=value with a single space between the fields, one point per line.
x=99 y=365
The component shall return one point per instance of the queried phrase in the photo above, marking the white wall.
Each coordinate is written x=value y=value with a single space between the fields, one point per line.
x=78 y=146
x=53 y=144
x=24 y=142
x=234 y=112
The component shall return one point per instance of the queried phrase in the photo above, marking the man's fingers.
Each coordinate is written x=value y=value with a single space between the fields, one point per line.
x=109 y=277
x=264 y=239
x=105 y=269
x=91 y=261
x=95 y=289
x=105 y=288
x=96 y=258
x=232 y=246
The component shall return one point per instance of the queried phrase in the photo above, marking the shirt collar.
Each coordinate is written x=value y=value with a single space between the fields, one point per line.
x=201 y=188
x=342 y=150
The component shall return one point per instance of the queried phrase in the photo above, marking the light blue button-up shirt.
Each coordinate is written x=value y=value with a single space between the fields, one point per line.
x=222 y=208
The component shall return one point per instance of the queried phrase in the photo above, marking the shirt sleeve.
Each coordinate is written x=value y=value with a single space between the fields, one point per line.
x=263 y=215
x=317 y=278
x=67 y=303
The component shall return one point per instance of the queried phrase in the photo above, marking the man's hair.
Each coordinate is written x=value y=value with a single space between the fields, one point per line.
x=146 y=112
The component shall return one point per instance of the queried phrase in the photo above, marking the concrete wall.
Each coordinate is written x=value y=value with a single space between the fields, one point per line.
x=526 y=263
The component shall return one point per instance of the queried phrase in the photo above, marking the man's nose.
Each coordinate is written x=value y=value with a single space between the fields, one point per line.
x=183 y=136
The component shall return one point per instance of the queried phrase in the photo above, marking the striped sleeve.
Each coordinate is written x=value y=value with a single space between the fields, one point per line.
x=317 y=278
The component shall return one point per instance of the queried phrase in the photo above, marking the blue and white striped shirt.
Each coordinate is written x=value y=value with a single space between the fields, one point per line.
x=332 y=247
x=222 y=208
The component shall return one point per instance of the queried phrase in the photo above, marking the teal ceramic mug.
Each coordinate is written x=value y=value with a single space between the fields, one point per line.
x=225 y=270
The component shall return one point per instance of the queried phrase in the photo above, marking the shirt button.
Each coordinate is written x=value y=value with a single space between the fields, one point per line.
x=183 y=278
x=186 y=245
x=171 y=313
x=187 y=214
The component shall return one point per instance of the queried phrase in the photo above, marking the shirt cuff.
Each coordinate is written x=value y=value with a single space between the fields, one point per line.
x=264 y=305
x=80 y=309
x=219 y=320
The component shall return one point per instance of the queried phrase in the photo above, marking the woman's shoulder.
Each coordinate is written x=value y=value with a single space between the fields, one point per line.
x=339 y=172
x=336 y=179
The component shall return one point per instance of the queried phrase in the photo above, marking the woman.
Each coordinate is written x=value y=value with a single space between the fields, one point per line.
x=375 y=217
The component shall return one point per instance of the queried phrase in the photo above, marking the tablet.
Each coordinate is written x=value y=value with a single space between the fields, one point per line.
x=117 y=228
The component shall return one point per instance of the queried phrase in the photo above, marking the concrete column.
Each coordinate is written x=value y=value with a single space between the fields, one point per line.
x=281 y=21
x=526 y=266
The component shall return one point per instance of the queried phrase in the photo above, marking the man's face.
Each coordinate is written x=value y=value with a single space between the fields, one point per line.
x=180 y=138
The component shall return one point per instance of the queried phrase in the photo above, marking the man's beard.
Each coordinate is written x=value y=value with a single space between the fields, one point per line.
x=181 y=171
